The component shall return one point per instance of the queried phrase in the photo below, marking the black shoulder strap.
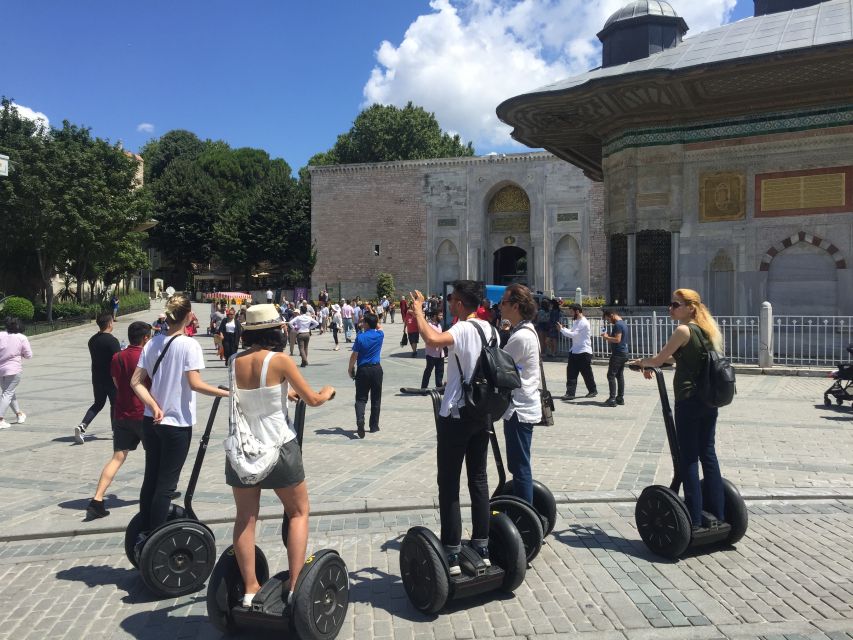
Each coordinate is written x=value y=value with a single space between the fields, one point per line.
x=483 y=338
x=701 y=335
x=162 y=353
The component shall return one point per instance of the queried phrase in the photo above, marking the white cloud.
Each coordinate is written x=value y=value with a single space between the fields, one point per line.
x=145 y=127
x=30 y=114
x=467 y=56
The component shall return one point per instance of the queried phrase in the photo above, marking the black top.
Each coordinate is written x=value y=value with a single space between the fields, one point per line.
x=102 y=346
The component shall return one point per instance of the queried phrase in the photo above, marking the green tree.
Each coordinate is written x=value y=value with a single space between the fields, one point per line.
x=383 y=133
x=385 y=286
x=160 y=153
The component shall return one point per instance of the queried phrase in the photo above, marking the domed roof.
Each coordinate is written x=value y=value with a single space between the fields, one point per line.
x=639 y=8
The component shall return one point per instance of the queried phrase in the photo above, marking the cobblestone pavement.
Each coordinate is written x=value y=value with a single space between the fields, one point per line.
x=790 y=455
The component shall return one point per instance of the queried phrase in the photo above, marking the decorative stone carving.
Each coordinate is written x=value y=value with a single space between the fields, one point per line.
x=722 y=196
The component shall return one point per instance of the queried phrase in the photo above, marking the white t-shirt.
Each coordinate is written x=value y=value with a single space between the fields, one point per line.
x=467 y=345
x=523 y=346
x=170 y=387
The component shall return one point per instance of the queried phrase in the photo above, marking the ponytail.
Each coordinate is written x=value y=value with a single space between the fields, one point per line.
x=178 y=307
x=703 y=318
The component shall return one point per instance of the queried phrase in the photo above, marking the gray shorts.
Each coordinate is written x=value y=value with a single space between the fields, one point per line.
x=287 y=471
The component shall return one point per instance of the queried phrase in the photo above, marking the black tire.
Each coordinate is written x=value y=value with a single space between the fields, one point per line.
x=663 y=521
x=321 y=599
x=506 y=549
x=423 y=571
x=544 y=503
x=177 y=558
x=134 y=527
x=736 y=513
x=225 y=589
x=839 y=401
x=526 y=520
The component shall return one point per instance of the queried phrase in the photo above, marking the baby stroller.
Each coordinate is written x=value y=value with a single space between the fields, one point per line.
x=840 y=389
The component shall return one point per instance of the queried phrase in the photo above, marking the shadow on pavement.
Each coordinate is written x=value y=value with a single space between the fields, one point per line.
x=337 y=431
x=70 y=439
x=581 y=536
x=170 y=622
x=111 y=501
x=402 y=354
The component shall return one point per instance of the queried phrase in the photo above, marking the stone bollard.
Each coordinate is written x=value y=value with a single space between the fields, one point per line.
x=765 y=336
x=579 y=296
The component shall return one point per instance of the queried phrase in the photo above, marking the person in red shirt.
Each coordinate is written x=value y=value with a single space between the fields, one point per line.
x=412 y=331
x=127 y=416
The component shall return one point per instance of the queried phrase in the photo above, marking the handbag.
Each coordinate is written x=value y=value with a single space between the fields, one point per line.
x=251 y=458
x=405 y=339
x=545 y=399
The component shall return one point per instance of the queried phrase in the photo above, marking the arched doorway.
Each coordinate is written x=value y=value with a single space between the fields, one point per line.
x=510 y=266
x=802 y=281
x=446 y=265
x=567 y=267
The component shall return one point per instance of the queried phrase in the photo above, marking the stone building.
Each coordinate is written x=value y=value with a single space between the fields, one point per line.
x=725 y=157
x=529 y=218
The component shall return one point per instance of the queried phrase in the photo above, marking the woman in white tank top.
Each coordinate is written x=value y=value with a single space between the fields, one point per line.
x=262 y=376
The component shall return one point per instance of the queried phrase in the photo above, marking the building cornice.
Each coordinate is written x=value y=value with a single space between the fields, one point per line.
x=401 y=165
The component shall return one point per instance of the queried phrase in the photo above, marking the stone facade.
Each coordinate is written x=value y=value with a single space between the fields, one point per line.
x=435 y=221
x=734 y=251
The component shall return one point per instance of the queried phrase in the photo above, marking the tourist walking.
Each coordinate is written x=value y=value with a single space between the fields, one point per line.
x=695 y=421
x=114 y=302
x=461 y=436
x=525 y=410
x=127 y=420
x=102 y=346
x=172 y=364
x=261 y=378
x=346 y=314
x=14 y=348
x=434 y=355
x=580 y=357
x=230 y=330
x=301 y=325
x=412 y=334
x=337 y=324
x=619 y=340
x=365 y=355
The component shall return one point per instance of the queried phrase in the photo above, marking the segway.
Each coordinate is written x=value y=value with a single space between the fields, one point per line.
x=533 y=523
x=320 y=600
x=423 y=562
x=177 y=557
x=662 y=517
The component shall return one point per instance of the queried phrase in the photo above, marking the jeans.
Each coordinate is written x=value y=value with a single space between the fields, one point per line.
x=347 y=328
x=460 y=440
x=368 y=380
x=518 y=436
x=335 y=334
x=616 y=374
x=437 y=363
x=302 y=340
x=695 y=426
x=579 y=363
x=166 y=448
x=102 y=391
x=8 y=384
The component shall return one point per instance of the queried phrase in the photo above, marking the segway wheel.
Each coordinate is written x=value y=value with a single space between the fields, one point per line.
x=736 y=514
x=544 y=503
x=134 y=527
x=525 y=519
x=425 y=577
x=322 y=598
x=177 y=558
x=663 y=521
x=826 y=401
x=225 y=589
x=839 y=401
x=506 y=549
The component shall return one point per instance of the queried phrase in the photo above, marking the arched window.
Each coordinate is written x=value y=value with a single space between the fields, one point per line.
x=567 y=267
x=510 y=199
x=447 y=264
x=802 y=281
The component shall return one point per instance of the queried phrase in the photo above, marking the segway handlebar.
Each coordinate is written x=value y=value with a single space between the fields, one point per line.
x=199 y=458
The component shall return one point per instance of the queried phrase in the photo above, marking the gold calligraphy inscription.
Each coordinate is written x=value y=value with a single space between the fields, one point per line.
x=511 y=224
x=803 y=192
x=722 y=196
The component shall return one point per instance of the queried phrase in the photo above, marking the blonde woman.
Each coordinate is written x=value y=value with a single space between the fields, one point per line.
x=695 y=422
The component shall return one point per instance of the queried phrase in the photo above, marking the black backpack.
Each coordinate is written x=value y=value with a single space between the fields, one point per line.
x=489 y=391
x=716 y=384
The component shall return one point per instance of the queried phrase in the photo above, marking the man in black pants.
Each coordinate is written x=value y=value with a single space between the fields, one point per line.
x=620 y=341
x=460 y=437
x=102 y=346
x=366 y=353
x=580 y=357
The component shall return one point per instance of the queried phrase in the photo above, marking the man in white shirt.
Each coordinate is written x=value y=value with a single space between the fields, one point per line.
x=460 y=438
x=580 y=357
x=269 y=296
x=301 y=325
x=346 y=314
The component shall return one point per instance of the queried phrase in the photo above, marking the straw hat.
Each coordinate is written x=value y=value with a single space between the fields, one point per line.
x=261 y=316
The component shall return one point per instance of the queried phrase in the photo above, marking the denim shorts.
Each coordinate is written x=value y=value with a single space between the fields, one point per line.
x=286 y=472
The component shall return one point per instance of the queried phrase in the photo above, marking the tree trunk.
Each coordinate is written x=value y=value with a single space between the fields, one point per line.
x=46 y=272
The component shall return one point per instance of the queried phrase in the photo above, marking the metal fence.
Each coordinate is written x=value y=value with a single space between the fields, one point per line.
x=802 y=341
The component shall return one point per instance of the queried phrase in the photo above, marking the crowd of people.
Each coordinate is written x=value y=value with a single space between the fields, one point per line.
x=152 y=385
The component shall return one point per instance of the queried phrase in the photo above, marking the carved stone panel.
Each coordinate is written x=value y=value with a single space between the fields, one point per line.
x=722 y=196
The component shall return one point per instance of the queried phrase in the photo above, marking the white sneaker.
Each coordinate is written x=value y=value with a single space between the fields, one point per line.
x=22 y=418
x=4 y=424
x=247 y=599
x=79 y=432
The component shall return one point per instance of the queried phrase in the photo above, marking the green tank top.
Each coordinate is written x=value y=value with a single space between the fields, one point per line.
x=690 y=361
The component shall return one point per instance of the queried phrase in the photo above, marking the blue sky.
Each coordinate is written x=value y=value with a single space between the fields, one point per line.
x=290 y=76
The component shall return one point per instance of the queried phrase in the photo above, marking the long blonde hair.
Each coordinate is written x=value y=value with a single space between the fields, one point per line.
x=702 y=317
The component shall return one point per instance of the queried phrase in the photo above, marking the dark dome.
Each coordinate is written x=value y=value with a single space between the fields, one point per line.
x=639 y=8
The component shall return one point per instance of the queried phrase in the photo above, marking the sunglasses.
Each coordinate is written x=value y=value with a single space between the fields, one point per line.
x=675 y=305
